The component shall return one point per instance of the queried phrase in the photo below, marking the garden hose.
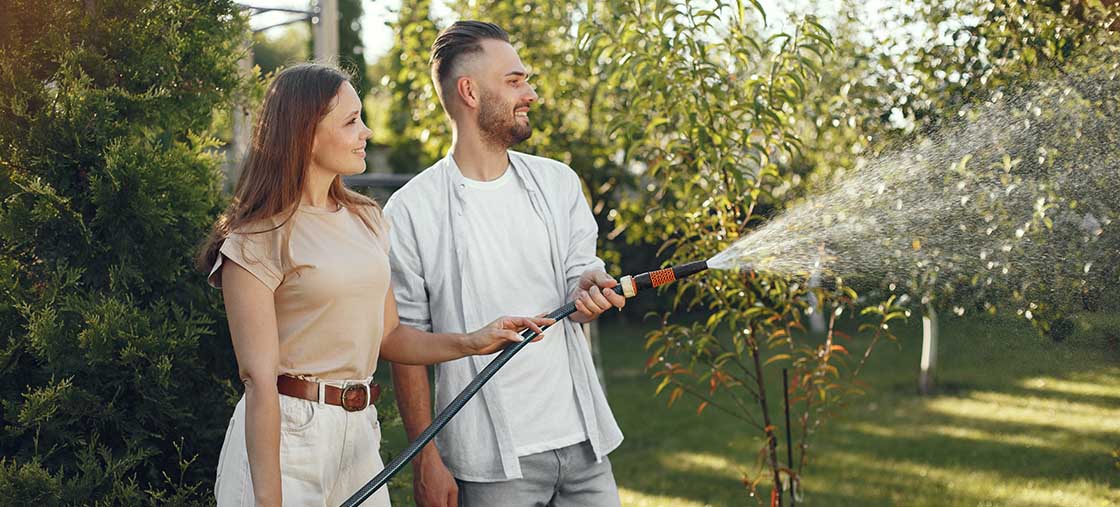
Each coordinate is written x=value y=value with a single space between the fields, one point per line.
x=628 y=286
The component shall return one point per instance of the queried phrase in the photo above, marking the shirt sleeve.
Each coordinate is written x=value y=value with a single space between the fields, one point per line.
x=257 y=252
x=408 y=272
x=582 y=244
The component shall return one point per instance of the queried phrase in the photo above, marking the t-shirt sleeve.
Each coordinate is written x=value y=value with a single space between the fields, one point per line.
x=409 y=289
x=258 y=253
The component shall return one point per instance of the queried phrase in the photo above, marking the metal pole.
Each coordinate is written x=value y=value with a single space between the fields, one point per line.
x=326 y=31
x=242 y=122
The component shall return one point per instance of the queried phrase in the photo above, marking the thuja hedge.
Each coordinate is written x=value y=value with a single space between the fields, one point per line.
x=115 y=369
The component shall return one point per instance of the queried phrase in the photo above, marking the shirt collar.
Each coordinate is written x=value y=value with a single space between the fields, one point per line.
x=457 y=179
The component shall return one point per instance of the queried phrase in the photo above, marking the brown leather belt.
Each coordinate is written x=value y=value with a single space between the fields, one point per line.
x=352 y=398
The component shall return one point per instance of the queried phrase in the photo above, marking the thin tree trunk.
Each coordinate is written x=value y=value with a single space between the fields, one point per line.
x=772 y=441
x=927 y=373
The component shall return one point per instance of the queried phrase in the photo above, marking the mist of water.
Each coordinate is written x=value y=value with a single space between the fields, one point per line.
x=1018 y=189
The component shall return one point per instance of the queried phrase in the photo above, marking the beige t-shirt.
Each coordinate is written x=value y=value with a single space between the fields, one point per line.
x=329 y=287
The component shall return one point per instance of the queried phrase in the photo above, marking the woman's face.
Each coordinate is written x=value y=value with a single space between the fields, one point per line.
x=340 y=137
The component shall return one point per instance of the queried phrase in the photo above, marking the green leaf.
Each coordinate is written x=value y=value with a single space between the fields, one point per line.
x=777 y=357
x=761 y=11
x=656 y=122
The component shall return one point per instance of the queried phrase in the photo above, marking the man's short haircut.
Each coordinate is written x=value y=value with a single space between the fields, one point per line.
x=460 y=39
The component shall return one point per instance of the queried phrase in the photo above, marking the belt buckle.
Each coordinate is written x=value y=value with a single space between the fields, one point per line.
x=342 y=400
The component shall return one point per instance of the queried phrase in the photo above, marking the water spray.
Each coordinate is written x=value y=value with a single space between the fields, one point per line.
x=628 y=286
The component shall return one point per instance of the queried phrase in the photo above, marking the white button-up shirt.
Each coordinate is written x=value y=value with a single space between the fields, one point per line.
x=429 y=262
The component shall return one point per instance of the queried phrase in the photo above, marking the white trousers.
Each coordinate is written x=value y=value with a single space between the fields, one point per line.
x=326 y=454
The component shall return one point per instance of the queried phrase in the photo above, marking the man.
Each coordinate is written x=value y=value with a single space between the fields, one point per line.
x=489 y=231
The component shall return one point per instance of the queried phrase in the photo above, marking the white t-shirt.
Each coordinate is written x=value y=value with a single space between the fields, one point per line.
x=512 y=274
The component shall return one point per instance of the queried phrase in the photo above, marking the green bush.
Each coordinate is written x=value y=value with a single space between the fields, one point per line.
x=1099 y=327
x=114 y=364
x=1061 y=328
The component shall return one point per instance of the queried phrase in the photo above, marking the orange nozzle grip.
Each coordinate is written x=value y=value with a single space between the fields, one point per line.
x=661 y=277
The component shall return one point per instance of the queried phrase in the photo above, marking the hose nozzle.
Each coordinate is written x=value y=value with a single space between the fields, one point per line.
x=630 y=285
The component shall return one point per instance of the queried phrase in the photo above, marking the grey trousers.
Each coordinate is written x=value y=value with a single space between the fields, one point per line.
x=560 y=478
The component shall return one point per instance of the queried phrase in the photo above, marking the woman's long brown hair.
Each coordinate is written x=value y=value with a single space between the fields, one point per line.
x=276 y=166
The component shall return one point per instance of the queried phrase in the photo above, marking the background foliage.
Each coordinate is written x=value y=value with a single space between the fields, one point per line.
x=114 y=362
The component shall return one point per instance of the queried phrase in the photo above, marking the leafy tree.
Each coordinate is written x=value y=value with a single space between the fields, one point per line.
x=420 y=134
x=273 y=51
x=115 y=366
x=710 y=119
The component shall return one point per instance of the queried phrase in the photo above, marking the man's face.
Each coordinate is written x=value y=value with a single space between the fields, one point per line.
x=504 y=95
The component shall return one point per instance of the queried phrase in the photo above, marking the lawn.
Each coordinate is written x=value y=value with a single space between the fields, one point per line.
x=1018 y=421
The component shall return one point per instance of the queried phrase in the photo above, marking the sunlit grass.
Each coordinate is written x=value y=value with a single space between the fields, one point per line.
x=1048 y=414
x=959 y=485
x=1054 y=385
x=706 y=463
x=1019 y=421
x=638 y=499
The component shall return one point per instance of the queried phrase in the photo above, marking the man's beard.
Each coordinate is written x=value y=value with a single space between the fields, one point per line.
x=497 y=123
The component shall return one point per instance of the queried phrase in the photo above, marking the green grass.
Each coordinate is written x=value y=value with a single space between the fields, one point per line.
x=1018 y=421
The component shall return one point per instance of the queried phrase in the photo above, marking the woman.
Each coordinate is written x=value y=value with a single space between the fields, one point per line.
x=303 y=266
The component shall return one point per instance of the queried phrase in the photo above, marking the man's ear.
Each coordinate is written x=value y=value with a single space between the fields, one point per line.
x=467 y=91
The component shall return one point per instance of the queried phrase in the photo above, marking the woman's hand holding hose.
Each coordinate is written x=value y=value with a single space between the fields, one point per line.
x=502 y=332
